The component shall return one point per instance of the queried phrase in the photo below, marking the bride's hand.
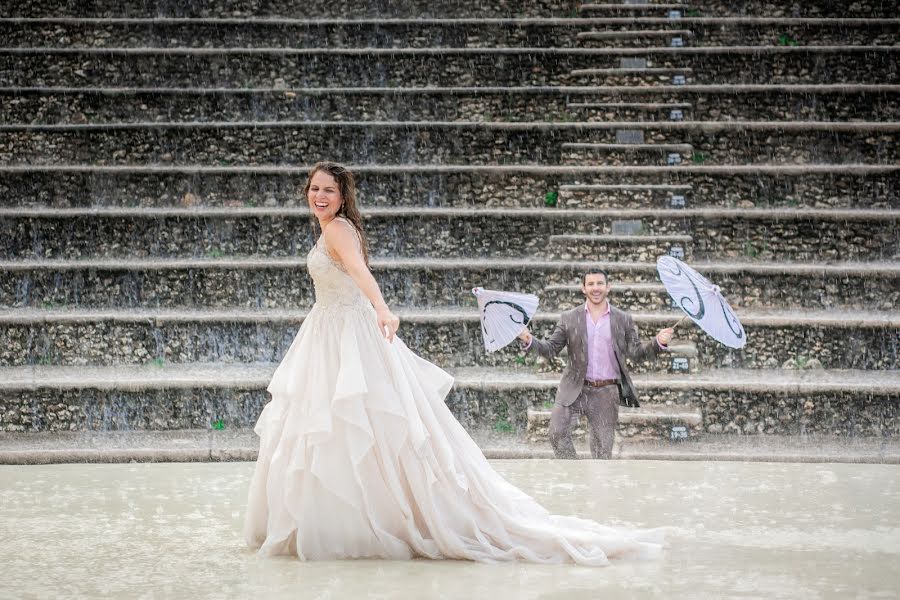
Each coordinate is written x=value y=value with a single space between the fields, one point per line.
x=388 y=322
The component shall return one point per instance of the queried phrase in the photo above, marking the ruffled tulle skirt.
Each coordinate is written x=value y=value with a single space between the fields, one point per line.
x=360 y=458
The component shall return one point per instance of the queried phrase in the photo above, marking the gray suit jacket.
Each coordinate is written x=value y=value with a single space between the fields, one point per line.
x=571 y=331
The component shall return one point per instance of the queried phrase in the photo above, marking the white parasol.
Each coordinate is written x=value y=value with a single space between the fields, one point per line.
x=701 y=301
x=504 y=315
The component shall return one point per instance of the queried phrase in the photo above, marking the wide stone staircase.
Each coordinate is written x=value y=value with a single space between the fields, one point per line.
x=153 y=237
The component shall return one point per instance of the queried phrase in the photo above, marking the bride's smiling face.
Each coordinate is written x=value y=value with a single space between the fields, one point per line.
x=324 y=196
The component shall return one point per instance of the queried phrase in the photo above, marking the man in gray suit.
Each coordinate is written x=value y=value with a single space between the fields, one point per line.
x=599 y=337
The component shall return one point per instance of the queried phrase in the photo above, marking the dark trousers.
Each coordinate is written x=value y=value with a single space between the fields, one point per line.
x=601 y=407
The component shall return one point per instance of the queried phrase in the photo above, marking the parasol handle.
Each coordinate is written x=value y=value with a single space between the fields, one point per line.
x=679 y=321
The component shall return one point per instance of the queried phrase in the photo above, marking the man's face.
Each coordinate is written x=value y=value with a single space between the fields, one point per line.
x=595 y=288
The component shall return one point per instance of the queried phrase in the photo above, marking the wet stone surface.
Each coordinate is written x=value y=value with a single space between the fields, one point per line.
x=288 y=105
x=752 y=34
x=465 y=189
x=850 y=413
x=771 y=105
x=448 y=235
x=435 y=144
x=449 y=342
x=304 y=105
x=282 y=35
x=437 y=69
x=425 y=286
x=309 y=10
x=429 y=34
x=423 y=9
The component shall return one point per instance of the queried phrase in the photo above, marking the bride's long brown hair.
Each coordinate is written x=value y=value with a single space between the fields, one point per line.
x=347 y=186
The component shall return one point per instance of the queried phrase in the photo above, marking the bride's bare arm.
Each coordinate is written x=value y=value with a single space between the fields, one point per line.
x=341 y=240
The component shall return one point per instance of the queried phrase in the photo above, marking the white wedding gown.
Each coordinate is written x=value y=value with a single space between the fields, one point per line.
x=360 y=458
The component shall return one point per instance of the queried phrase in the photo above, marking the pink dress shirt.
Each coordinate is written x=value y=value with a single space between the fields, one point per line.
x=601 y=362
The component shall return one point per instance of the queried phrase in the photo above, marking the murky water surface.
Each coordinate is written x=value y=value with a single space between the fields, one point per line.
x=738 y=530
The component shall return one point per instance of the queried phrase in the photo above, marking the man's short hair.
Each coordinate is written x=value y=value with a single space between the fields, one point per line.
x=595 y=272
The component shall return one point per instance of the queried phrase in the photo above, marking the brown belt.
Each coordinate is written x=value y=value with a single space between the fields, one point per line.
x=599 y=383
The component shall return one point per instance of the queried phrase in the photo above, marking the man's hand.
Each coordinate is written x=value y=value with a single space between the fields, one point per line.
x=525 y=336
x=665 y=336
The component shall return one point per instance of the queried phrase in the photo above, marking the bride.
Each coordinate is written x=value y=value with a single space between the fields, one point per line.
x=359 y=456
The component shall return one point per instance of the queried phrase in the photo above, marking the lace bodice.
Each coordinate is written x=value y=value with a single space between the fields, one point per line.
x=333 y=286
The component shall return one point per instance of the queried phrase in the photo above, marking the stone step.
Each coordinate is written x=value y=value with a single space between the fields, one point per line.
x=204 y=445
x=628 y=154
x=742 y=234
x=418 y=32
x=708 y=65
x=660 y=52
x=784 y=192
x=283 y=283
x=521 y=186
x=744 y=32
x=603 y=148
x=290 y=33
x=299 y=142
x=620 y=248
x=422 y=9
x=705 y=104
x=663 y=195
x=772 y=186
x=196 y=396
x=609 y=35
x=415 y=67
x=281 y=9
x=633 y=111
x=649 y=422
x=635 y=7
x=452 y=338
x=56 y=105
x=751 y=8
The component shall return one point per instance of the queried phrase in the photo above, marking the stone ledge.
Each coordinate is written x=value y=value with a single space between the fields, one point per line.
x=650 y=421
x=849 y=318
x=530 y=21
x=631 y=6
x=684 y=148
x=740 y=20
x=544 y=214
x=704 y=126
x=257 y=376
x=632 y=71
x=626 y=239
x=646 y=413
x=270 y=283
x=825 y=88
x=607 y=35
x=491 y=399
x=891 y=269
x=202 y=445
x=638 y=105
x=534 y=51
x=595 y=187
x=793 y=170
x=448 y=338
